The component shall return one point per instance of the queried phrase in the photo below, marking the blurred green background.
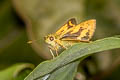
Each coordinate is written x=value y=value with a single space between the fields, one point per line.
x=24 y=20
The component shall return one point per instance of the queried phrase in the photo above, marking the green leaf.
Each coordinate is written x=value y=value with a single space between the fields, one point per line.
x=67 y=72
x=16 y=72
x=78 y=51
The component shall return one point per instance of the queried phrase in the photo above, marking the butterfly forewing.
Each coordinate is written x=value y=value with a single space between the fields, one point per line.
x=81 y=32
x=70 y=23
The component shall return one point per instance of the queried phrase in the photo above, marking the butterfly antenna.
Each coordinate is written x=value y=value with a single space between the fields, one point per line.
x=31 y=41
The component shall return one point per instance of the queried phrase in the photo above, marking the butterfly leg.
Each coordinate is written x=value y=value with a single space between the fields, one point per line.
x=63 y=46
x=59 y=43
x=52 y=53
x=51 y=48
x=56 y=51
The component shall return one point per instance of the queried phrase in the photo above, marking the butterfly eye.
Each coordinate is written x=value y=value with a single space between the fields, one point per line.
x=51 y=38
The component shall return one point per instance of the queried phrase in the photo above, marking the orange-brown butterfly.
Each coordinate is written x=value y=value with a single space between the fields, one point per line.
x=71 y=33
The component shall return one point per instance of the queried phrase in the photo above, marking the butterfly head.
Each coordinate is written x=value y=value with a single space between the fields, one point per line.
x=50 y=39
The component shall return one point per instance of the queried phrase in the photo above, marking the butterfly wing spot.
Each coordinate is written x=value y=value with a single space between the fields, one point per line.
x=78 y=32
x=71 y=23
x=72 y=35
x=85 y=38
